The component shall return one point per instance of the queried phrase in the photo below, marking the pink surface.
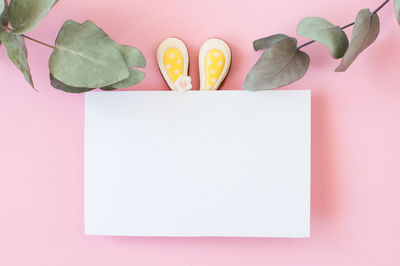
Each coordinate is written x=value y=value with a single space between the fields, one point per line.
x=355 y=213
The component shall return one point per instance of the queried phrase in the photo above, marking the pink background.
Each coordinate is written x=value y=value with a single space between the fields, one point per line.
x=355 y=213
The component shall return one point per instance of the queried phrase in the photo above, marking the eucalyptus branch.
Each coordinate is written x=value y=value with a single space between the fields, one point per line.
x=81 y=66
x=348 y=25
x=283 y=63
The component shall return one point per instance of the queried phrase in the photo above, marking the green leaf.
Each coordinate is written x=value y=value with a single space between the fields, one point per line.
x=85 y=57
x=278 y=66
x=64 y=87
x=25 y=15
x=267 y=42
x=365 y=32
x=16 y=51
x=107 y=88
x=135 y=76
x=132 y=56
x=397 y=10
x=4 y=12
x=324 y=32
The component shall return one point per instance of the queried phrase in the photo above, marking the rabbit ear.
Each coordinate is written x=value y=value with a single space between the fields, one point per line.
x=214 y=63
x=173 y=61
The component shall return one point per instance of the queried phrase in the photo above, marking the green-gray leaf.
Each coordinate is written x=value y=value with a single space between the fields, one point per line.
x=365 y=32
x=324 y=32
x=16 y=51
x=132 y=56
x=267 y=42
x=85 y=57
x=4 y=12
x=64 y=87
x=25 y=15
x=278 y=66
x=397 y=10
x=108 y=88
x=135 y=76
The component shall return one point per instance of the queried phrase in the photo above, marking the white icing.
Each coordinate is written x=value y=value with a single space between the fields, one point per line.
x=183 y=83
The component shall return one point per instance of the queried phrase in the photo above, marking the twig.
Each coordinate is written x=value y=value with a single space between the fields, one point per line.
x=29 y=38
x=37 y=41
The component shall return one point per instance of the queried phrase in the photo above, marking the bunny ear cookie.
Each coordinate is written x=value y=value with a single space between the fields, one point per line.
x=173 y=61
x=214 y=63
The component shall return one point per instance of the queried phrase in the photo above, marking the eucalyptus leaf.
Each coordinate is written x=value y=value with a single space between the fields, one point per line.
x=397 y=10
x=25 y=15
x=108 y=88
x=3 y=15
x=267 y=42
x=135 y=76
x=4 y=12
x=324 y=32
x=365 y=32
x=85 y=57
x=132 y=56
x=64 y=87
x=278 y=66
x=17 y=52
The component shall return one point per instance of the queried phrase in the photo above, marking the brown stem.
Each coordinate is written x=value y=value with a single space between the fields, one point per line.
x=348 y=25
x=379 y=8
x=37 y=41
x=29 y=38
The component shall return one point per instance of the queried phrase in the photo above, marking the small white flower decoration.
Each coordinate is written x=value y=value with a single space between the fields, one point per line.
x=183 y=83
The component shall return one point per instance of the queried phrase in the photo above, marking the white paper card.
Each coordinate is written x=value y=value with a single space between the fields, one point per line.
x=221 y=163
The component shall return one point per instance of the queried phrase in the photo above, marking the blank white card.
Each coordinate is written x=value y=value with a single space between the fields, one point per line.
x=200 y=163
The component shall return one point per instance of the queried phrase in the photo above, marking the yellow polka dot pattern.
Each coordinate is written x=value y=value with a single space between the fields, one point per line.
x=173 y=63
x=215 y=62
